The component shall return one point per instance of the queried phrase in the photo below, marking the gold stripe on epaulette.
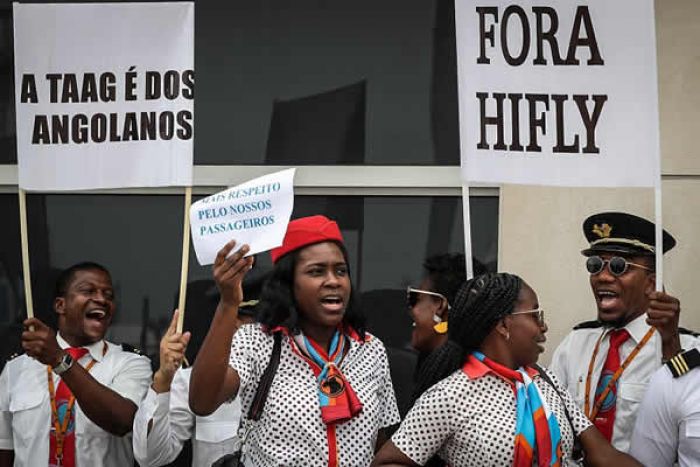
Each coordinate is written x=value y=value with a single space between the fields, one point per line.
x=679 y=364
x=676 y=366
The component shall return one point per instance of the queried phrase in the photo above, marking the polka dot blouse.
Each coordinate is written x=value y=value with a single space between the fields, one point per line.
x=290 y=431
x=471 y=422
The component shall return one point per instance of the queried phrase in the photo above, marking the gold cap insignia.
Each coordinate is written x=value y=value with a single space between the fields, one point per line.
x=602 y=231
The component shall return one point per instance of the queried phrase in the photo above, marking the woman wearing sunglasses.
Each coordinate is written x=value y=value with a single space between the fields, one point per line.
x=331 y=395
x=487 y=403
x=429 y=303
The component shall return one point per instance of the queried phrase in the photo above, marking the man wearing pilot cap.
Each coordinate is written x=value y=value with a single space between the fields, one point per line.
x=606 y=364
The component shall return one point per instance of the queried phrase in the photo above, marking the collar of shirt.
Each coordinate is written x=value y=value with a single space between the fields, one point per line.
x=349 y=331
x=637 y=328
x=475 y=368
x=94 y=349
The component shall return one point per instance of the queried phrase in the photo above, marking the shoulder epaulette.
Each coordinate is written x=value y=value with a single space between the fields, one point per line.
x=130 y=348
x=683 y=362
x=689 y=332
x=588 y=325
x=13 y=356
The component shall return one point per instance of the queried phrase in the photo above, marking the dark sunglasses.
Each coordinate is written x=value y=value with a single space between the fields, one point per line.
x=617 y=265
x=412 y=296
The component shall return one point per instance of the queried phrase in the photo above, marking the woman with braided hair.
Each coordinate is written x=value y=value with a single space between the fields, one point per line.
x=484 y=400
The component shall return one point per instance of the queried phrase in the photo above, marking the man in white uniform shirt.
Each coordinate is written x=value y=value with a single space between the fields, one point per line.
x=668 y=422
x=164 y=420
x=606 y=364
x=70 y=399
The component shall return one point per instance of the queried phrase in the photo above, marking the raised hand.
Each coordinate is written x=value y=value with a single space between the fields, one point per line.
x=229 y=271
x=172 y=353
x=39 y=341
x=663 y=314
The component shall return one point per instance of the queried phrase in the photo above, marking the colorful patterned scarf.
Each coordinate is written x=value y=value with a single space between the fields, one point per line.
x=338 y=400
x=537 y=433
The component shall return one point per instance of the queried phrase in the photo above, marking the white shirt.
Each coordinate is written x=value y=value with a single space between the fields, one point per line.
x=25 y=407
x=290 y=431
x=572 y=357
x=174 y=423
x=470 y=420
x=668 y=421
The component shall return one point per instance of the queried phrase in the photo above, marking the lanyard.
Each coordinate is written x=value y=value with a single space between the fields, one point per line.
x=599 y=402
x=62 y=426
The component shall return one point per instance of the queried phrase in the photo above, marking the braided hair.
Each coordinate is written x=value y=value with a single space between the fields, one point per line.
x=479 y=304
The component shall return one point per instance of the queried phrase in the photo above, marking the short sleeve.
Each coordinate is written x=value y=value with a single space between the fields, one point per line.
x=247 y=344
x=578 y=419
x=390 y=416
x=428 y=425
x=6 y=442
x=655 y=436
x=133 y=378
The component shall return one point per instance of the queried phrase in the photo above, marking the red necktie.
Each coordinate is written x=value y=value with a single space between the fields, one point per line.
x=605 y=419
x=63 y=397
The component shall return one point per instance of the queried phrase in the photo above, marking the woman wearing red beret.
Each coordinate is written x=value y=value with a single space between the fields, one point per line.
x=331 y=395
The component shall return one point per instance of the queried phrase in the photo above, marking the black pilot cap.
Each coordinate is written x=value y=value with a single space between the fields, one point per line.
x=619 y=232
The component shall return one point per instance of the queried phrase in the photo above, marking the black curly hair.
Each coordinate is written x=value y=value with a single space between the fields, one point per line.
x=447 y=272
x=277 y=306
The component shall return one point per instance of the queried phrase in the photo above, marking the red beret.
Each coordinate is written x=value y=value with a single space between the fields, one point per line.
x=307 y=231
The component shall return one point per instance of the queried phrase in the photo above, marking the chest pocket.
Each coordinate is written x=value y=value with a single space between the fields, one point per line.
x=632 y=391
x=689 y=442
x=29 y=409
x=692 y=429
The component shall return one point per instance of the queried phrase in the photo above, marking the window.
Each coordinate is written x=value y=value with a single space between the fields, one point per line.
x=362 y=96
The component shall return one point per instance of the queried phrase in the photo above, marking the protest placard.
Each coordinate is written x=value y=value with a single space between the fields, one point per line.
x=256 y=212
x=104 y=95
x=558 y=92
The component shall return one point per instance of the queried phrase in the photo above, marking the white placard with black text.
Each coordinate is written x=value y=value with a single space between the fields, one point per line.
x=558 y=92
x=104 y=94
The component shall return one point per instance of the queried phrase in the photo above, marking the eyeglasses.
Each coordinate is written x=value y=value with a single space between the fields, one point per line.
x=617 y=265
x=412 y=296
x=539 y=311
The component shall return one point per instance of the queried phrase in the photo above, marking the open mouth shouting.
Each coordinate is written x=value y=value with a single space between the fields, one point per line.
x=606 y=299
x=97 y=317
x=333 y=303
